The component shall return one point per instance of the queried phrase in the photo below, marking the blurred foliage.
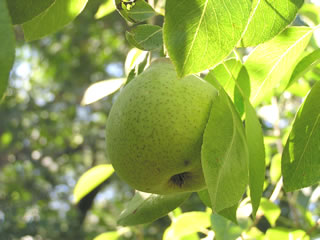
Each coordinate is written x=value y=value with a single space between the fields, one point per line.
x=47 y=140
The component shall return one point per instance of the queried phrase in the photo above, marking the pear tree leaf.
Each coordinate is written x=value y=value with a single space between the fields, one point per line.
x=204 y=197
x=148 y=207
x=270 y=210
x=106 y=8
x=242 y=90
x=267 y=62
x=199 y=34
x=136 y=11
x=145 y=37
x=186 y=224
x=90 y=180
x=224 y=229
x=101 y=89
x=7 y=47
x=305 y=65
x=24 y=10
x=275 y=168
x=279 y=13
x=59 y=14
x=224 y=154
x=225 y=73
x=107 y=236
x=285 y=234
x=134 y=58
x=300 y=164
x=310 y=13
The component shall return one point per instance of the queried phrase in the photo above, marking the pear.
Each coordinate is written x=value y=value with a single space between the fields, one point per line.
x=155 y=127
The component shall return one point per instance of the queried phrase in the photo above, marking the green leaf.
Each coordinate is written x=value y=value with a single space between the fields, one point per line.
x=225 y=73
x=186 y=224
x=101 y=89
x=90 y=180
x=59 y=14
x=106 y=8
x=301 y=156
x=204 y=197
x=145 y=37
x=266 y=64
x=24 y=10
x=224 y=229
x=286 y=234
x=199 y=34
x=107 y=236
x=270 y=210
x=147 y=207
x=136 y=11
x=264 y=12
x=224 y=154
x=275 y=168
x=305 y=65
x=7 y=47
x=257 y=167
x=310 y=13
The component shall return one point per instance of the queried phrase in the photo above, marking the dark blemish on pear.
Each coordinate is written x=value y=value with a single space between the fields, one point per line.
x=179 y=179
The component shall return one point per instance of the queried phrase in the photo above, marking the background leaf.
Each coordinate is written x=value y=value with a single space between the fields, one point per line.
x=199 y=34
x=306 y=64
x=301 y=156
x=267 y=62
x=145 y=37
x=7 y=47
x=224 y=229
x=186 y=224
x=60 y=13
x=285 y=234
x=270 y=210
x=90 y=180
x=148 y=207
x=279 y=13
x=107 y=236
x=106 y=8
x=24 y=10
x=224 y=154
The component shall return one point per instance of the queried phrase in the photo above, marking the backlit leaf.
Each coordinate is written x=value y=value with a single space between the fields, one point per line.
x=300 y=163
x=148 y=207
x=107 y=236
x=7 y=47
x=90 y=180
x=270 y=210
x=199 y=34
x=106 y=8
x=59 y=14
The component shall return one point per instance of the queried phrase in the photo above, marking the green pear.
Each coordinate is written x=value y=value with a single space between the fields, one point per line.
x=155 y=128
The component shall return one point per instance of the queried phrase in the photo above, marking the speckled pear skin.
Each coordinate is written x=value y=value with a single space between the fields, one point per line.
x=155 y=127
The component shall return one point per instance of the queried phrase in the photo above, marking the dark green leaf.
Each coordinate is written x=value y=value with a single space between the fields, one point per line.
x=146 y=37
x=7 y=47
x=24 y=10
x=301 y=156
x=224 y=154
x=267 y=62
x=60 y=13
x=199 y=34
x=306 y=64
x=279 y=13
x=137 y=11
x=147 y=207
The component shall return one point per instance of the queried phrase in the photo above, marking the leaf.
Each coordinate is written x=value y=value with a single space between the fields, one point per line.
x=257 y=167
x=90 y=180
x=300 y=164
x=270 y=210
x=7 y=47
x=275 y=168
x=101 y=89
x=305 y=65
x=134 y=58
x=24 y=10
x=199 y=34
x=224 y=154
x=59 y=14
x=106 y=8
x=186 y=224
x=272 y=63
x=147 y=207
x=225 y=73
x=145 y=37
x=224 y=229
x=204 y=197
x=310 y=13
x=267 y=19
x=136 y=11
x=285 y=234
x=107 y=236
